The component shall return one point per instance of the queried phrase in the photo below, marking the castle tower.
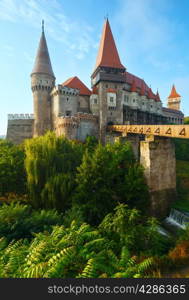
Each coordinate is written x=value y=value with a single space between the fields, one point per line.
x=108 y=79
x=42 y=82
x=174 y=99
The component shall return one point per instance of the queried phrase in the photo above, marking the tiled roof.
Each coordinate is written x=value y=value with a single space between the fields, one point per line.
x=141 y=86
x=76 y=83
x=174 y=93
x=107 y=54
x=133 y=86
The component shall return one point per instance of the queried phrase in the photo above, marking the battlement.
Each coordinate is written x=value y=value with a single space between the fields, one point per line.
x=86 y=116
x=64 y=90
x=20 y=116
x=67 y=121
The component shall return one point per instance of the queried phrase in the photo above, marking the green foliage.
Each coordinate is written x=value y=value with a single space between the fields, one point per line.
x=107 y=176
x=51 y=166
x=20 y=221
x=181 y=149
x=127 y=226
x=77 y=251
x=182 y=172
x=12 y=172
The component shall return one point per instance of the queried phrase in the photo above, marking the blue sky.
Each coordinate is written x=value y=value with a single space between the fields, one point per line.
x=152 y=38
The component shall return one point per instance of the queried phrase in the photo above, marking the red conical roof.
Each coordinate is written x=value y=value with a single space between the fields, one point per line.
x=174 y=93
x=133 y=86
x=107 y=54
x=76 y=83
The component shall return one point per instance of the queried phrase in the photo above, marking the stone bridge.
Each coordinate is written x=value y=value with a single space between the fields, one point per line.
x=154 y=148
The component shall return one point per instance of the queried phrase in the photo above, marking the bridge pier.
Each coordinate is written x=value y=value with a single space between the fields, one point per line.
x=157 y=156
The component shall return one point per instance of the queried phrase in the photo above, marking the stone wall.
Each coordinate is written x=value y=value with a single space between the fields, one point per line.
x=19 y=129
x=77 y=127
x=158 y=159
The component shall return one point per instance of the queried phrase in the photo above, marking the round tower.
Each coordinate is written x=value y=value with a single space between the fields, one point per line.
x=42 y=82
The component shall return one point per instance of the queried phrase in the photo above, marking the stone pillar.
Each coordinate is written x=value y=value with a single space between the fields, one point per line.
x=157 y=155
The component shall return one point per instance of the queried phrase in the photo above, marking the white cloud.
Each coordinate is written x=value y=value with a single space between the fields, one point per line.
x=59 y=26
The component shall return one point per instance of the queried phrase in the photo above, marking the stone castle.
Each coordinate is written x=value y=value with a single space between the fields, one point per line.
x=73 y=110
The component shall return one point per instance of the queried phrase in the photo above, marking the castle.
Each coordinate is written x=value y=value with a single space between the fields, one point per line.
x=73 y=110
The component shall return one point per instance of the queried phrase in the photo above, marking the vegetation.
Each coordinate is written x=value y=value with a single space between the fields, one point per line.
x=83 y=251
x=12 y=171
x=81 y=210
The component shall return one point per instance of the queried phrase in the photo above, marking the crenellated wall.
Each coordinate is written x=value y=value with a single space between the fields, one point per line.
x=20 y=127
x=77 y=127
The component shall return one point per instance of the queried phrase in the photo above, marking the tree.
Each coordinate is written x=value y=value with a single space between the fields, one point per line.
x=107 y=176
x=12 y=171
x=51 y=164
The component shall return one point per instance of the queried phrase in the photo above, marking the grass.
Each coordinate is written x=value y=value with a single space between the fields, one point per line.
x=182 y=172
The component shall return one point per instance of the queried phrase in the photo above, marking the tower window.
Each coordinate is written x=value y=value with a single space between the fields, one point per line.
x=67 y=99
x=95 y=101
x=111 y=99
x=133 y=100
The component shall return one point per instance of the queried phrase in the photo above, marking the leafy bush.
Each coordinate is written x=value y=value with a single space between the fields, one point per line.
x=12 y=171
x=74 y=252
x=20 y=221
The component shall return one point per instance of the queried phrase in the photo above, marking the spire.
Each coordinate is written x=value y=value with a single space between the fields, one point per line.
x=158 y=97
x=133 y=86
x=107 y=54
x=174 y=93
x=42 y=61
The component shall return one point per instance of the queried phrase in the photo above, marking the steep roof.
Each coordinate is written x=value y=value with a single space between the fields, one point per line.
x=133 y=86
x=42 y=61
x=140 y=85
x=174 y=93
x=107 y=54
x=76 y=83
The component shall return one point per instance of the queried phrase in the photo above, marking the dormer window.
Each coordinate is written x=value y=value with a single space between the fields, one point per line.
x=95 y=101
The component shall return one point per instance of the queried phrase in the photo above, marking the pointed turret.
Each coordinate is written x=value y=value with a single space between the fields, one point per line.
x=42 y=83
x=42 y=63
x=107 y=54
x=158 y=97
x=174 y=93
x=174 y=99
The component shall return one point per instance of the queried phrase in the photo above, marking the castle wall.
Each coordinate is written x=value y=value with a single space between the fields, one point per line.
x=19 y=129
x=83 y=103
x=64 y=102
x=77 y=127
